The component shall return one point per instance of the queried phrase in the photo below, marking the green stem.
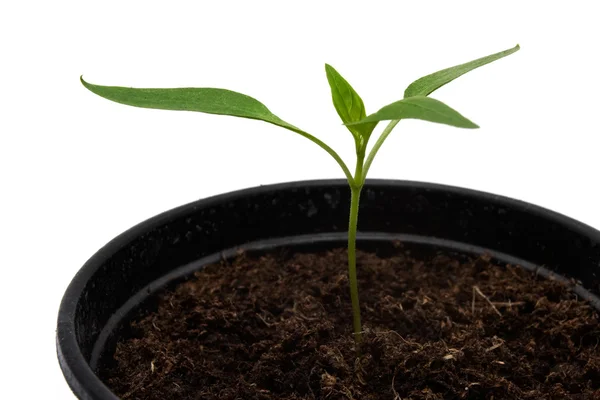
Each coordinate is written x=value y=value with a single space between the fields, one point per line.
x=356 y=185
x=329 y=150
x=355 y=190
x=386 y=132
x=352 y=228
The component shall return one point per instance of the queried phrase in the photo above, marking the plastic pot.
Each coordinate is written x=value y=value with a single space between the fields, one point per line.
x=306 y=216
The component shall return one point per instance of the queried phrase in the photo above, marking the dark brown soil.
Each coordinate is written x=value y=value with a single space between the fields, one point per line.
x=446 y=327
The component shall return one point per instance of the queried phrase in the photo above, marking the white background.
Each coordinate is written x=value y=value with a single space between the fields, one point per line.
x=76 y=170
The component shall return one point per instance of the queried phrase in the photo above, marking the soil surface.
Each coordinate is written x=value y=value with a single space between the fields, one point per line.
x=441 y=327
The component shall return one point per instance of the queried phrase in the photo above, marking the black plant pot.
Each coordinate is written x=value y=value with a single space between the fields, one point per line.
x=311 y=215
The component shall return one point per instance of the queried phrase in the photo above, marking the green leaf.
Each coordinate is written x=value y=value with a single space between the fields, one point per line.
x=348 y=104
x=427 y=84
x=206 y=100
x=420 y=107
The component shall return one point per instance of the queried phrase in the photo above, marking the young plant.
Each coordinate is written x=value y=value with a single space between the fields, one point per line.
x=415 y=105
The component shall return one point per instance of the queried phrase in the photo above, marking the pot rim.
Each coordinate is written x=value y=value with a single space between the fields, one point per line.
x=72 y=361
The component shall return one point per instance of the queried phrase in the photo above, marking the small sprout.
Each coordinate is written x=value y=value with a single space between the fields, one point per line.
x=416 y=104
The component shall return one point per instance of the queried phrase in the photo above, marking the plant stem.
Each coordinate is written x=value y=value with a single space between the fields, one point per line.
x=386 y=132
x=355 y=189
x=352 y=228
x=328 y=149
x=356 y=185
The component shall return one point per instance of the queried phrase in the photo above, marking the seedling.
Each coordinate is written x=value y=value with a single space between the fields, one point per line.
x=416 y=104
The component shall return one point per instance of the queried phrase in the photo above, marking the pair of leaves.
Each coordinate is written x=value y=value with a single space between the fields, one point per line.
x=347 y=102
x=351 y=109
x=415 y=105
